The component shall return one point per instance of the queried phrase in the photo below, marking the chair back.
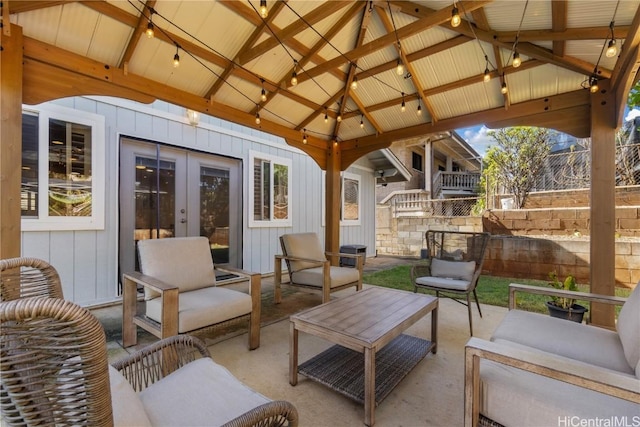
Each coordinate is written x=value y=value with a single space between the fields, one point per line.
x=24 y=277
x=458 y=246
x=302 y=245
x=53 y=365
x=184 y=262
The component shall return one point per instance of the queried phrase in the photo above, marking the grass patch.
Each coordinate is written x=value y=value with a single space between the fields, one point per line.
x=491 y=290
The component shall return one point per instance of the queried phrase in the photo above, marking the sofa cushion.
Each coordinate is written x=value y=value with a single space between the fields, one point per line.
x=126 y=405
x=461 y=270
x=184 y=262
x=513 y=397
x=628 y=327
x=442 y=282
x=303 y=245
x=339 y=276
x=204 y=307
x=565 y=338
x=200 y=393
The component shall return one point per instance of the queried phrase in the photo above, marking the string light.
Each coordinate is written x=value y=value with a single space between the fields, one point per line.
x=503 y=88
x=612 y=49
x=294 y=75
x=399 y=68
x=487 y=74
x=339 y=118
x=455 y=16
x=263 y=93
x=257 y=117
x=354 y=83
x=403 y=107
x=149 y=31
x=419 y=112
x=516 y=59
x=176 y=58
x=304 y=136
x=593 y=83
x=326 y=116
x=264 y=12
x=362 y=121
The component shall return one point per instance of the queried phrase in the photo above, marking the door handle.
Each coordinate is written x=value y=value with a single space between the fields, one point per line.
x=183 y=220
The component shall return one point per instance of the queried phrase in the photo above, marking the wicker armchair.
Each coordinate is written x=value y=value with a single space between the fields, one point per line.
x=28 y=277
x=54 y=371
x=454 y=264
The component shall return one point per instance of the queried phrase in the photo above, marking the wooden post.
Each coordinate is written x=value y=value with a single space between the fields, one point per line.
x=333 y=201
x=10 y=139
x=603 y=204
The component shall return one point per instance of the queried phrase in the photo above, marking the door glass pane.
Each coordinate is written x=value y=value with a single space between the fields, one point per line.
x=155 y=199
x=29 y=188
x=69 y=169
x=351 y=199
x=214 y=211
x=281 y=191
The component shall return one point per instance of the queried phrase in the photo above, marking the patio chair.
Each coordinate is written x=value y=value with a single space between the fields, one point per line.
x=454 y=264
x=54 y=371
x=308 y=266
x=24 y=277
x=181 y=294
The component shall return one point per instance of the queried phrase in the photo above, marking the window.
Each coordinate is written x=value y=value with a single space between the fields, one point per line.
x=350 y=199
x=270 y=191
x=62 y=170
x=416 y=161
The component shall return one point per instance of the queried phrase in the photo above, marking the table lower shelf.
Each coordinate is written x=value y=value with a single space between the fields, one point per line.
x=342 y=369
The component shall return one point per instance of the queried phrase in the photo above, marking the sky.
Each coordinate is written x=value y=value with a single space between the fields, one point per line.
x=477 y=137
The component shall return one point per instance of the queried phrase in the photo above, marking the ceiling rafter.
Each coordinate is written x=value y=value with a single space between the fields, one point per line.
x=625 y=73
x=139 y=29
x=558 y=25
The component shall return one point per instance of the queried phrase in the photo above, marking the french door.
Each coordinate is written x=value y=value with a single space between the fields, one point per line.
x=172 y=192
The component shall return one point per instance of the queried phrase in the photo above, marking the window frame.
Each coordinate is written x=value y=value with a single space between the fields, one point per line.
x=354 y=177
x=273 y=160
x=44 y=222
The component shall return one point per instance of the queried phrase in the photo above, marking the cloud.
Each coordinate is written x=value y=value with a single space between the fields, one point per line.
x=477 y=138
x=632 y=115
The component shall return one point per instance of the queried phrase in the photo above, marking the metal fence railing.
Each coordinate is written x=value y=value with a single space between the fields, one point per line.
x=417 y=204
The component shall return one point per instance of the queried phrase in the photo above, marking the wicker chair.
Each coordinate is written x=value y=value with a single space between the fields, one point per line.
x=54 y=370
x=308 y=266
x=28 y=277
x=454 y=265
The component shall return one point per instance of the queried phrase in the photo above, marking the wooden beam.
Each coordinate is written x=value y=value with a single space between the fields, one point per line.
x=603 y=203
x=558 y=25
x=140 y=28
x=11 y=73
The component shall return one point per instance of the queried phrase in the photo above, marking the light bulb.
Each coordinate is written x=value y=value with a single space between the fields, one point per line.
x=455 y=17
x=257 y=118
x=361 y=124
x=419 y=112
x=149 y=31
x=516 y=60
x=176 y=60
x=326 y=118
x=264 y=12
x=294 y=78
x=487 y=75
x=399 y=68
x=403 y=107
x=354 y=83
x=263 y=95
x=612 y=49
x=593 y=84
x=339 y=118
x=504 y=89
x=304 y=136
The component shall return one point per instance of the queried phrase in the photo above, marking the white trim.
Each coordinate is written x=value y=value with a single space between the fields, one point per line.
x=142 y=108
x=253 y=155
x=98 y=159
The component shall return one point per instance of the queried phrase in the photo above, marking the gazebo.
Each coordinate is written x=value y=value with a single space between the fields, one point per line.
x=336 y=79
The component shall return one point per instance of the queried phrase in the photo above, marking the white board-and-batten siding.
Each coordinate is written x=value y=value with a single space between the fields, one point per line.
x=87 y=260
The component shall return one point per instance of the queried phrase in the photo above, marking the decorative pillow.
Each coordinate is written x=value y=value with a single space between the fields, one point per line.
x=462 y=270
x=127 y=406
x=628 y=327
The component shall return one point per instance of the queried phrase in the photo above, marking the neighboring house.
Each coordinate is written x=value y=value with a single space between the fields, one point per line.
x=442 y=166
x=101 y=173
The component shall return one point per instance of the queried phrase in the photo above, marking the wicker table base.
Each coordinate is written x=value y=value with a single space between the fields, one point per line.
x=342 y=369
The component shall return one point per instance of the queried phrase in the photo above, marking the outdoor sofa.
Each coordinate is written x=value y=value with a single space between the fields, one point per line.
x=539 y=370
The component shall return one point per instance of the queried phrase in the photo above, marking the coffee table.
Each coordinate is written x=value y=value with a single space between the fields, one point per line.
x=368 y=322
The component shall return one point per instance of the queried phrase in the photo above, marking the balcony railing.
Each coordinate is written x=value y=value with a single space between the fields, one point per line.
x=455 y=182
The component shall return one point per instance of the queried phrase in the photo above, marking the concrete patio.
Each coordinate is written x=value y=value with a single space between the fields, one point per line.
x=431 y=395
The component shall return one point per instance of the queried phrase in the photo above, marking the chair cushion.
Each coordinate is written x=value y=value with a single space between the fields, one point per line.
x=444 y=283
x=313 y=276
x=204 y=307
x=628 y=327
x=184 y=262
x=565 y=338
x=126 y=405
x=461 y=270
x=198 y=394
x=303 y=245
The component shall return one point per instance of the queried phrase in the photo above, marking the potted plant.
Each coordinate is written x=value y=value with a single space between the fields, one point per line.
x=564 y=307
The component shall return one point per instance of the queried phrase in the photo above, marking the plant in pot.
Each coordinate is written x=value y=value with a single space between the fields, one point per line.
x=564 y=307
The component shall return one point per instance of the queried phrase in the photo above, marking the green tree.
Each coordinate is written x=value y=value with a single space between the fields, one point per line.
x=634 y=96
x=517 y=160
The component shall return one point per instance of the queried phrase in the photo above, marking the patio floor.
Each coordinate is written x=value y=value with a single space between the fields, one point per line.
x=431 y=395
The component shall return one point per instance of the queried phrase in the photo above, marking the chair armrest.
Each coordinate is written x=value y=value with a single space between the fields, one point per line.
x=148 y=282
x=270 y=414
x=420 y=271
x=541 y=290
x=342 y=254
x=156 y=361
x=295 y=258
x=556 y=367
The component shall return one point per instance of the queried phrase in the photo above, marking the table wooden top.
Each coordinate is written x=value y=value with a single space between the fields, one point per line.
x=367 y=319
